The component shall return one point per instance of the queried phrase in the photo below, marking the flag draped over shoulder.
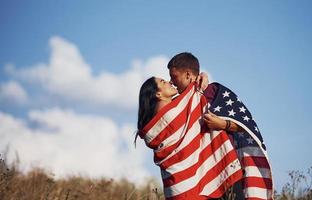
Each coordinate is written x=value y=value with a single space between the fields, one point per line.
x=257 y=180
x=195 y=163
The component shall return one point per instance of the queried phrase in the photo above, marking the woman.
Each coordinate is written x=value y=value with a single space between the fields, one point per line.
x=155 y=93
x=184 y=149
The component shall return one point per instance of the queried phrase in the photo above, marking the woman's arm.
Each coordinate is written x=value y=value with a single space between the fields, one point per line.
x=216 y=123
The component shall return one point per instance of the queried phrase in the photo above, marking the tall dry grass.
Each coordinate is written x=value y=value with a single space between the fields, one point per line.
x=299 y=186
x=39 y=185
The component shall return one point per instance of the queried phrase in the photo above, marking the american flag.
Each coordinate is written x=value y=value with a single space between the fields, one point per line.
x=195 y=163
x=257 y=181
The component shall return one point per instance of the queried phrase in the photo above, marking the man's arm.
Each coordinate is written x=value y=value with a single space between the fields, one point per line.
x=213 y=121
x=216 y=123
x=202 y=80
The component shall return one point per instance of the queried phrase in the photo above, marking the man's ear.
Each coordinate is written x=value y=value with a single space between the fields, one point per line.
x=188 y=75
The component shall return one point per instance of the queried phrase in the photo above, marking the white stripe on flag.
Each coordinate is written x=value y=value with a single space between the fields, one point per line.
x=193 y=158
x=255 y=192
x=250 y=151
x=169 y=116
x=176 y=136
x=200 y=173
x=253 y=171
x=190 y=135
x=227 y=172
x=173 y=138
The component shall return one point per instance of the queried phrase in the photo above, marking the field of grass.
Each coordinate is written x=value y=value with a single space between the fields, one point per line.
x=39 y=185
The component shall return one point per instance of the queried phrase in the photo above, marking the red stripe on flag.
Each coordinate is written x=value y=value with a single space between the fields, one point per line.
x=177 y=123
x=228 y=183
x=171 y=128
x=183 y=153
x=187 y=151
x=194 y=144
x=195 y=191
x=255 y=161
x=218 y=168
x=158 y=156
x=191 y=171
x=259 y=182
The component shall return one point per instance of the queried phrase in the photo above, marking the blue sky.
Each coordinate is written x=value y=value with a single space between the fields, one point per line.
x=260 y=49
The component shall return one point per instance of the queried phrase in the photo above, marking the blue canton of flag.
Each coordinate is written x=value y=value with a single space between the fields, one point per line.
x=227 y=104
x=257 y=182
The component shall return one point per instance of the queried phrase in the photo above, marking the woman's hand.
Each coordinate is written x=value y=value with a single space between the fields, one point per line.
x=214 y=122
x=202 y=80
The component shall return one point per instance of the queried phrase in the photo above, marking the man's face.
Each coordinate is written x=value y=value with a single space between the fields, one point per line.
x=179 y=79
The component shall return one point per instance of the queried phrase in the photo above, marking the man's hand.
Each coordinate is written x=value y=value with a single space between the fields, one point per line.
x=202 y=81
x=214 y=122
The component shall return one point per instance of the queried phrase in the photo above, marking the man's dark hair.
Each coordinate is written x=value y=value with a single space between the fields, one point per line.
x=183 y=61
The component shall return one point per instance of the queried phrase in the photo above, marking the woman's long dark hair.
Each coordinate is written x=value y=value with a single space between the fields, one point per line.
x=147 y=104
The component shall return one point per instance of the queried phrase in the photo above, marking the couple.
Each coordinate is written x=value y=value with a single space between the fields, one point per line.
x=204 y=142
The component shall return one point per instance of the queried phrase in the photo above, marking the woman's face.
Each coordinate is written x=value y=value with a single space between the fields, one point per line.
x=165 y=89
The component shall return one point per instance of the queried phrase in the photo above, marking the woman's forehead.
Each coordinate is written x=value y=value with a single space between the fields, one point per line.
x=157 y=79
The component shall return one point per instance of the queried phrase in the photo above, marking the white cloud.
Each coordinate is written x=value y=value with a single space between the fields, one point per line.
x=13 y=91
x=71 y=144
x=70 y=77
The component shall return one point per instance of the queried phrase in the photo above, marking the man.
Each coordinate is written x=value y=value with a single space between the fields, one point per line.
x=236 y=121
x=184 y=69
